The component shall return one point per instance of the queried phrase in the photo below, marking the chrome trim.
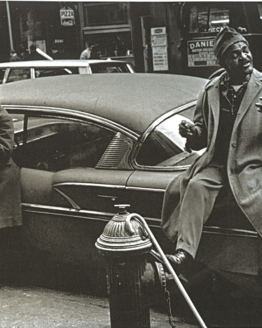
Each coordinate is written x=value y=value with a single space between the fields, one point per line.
x=145 y=189
x=78 y=114
x=164 y=117
x=106 y=216
x=102 y=185
x=84 y=214
x=87 y=184
x=160 y=168
x=130 y=68
x=59 y=208
x=62 y=211
x=6 y=75
x=32 y=73
x=69 y=199
x=230 y=232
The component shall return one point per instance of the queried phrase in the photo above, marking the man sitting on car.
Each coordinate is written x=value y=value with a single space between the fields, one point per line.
x=228 y=123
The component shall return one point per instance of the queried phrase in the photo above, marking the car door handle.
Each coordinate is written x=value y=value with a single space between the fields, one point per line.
x=113 y=198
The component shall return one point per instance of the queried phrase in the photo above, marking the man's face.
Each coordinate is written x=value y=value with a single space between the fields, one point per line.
x=238 y=61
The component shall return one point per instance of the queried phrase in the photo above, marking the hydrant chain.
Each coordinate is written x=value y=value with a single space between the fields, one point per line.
x=169 y=311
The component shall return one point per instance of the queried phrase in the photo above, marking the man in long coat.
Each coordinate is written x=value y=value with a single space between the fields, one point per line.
x=10 y=186
x=229 y=124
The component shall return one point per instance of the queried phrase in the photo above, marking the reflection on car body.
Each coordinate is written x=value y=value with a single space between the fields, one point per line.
x=82 y=152
x=23 y=70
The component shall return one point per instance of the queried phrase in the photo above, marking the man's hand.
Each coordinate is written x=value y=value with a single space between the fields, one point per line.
x=187 y=129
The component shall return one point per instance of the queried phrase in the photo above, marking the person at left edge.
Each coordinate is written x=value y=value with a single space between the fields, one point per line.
x=10 y=181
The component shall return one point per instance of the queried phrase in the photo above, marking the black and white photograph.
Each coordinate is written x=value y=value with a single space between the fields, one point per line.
x=130 y=164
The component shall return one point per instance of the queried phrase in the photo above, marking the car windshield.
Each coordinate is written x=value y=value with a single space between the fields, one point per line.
x=109 y=68
x=164 y=146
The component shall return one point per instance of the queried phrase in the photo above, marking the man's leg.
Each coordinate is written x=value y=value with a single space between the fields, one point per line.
x=196 y=206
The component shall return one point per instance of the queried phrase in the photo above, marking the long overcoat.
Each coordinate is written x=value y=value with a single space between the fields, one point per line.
x=244 y=165
x=10 y=185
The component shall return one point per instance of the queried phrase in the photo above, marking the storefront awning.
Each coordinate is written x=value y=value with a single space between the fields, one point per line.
x=106 y=29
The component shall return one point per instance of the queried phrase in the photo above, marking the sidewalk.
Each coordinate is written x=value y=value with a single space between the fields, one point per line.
x=26 y=307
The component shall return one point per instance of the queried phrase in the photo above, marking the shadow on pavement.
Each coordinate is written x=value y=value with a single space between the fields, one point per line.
x=221 y=304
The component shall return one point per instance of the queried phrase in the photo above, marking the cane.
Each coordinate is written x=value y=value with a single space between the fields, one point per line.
x=168 y=265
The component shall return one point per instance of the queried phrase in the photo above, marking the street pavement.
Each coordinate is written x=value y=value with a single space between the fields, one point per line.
x=28 y=307
x=45 y=295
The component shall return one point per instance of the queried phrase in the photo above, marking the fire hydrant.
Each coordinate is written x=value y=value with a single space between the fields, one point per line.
x=125 y=247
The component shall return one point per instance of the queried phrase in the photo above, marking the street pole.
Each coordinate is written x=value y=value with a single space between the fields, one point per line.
x=9 y=26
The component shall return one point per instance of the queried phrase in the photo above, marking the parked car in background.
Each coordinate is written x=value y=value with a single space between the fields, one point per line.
x=23 y=70
x=88 y=142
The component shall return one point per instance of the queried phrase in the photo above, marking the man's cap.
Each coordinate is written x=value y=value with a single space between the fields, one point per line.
x=225 y=38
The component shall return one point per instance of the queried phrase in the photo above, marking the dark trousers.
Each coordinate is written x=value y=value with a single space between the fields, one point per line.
x=196 y=206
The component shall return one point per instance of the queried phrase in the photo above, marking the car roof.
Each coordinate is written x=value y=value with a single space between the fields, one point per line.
x=57 y=63
x=133 y=100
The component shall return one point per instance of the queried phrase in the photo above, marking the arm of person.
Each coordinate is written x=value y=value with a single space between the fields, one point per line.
x=6 y=137
x=197 y=138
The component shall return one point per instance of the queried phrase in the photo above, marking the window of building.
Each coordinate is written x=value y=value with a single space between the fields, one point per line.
x=100 y=14
x=109 y=44
x=208 y=19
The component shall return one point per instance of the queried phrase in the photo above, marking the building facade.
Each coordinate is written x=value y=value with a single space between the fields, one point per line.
x=160 y=37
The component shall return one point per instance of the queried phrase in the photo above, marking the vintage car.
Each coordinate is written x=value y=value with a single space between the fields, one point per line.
x=22 y=70
x=85 y=143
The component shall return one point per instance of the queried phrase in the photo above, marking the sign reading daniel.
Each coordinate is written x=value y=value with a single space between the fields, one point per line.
x=200 y=53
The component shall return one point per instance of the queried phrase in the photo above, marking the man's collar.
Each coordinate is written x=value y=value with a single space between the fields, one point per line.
x=225 y=81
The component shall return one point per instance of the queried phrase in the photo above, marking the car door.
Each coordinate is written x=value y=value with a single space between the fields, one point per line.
x=146 y=191
x=69 y=181
x=70 y=154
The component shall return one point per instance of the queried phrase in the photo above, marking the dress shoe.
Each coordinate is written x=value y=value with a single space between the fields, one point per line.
x=181 y=261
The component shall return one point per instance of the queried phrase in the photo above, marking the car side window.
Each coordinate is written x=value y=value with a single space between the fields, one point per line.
x=55 y=144
x=109 y=68
x=18 y=74
x=49 y=71
x=164 y=146
x=2 y=74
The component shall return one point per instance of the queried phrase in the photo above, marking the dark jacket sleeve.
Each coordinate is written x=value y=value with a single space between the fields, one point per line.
x=200 y=119
x=6 y=137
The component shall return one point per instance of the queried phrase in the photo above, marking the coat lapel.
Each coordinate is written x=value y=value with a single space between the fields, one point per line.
x=253 y=87
x=214 y=110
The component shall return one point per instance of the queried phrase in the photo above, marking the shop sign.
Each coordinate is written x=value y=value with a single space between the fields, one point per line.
x=160 y=61
x=159 y=48
x=158 y=30
x=67 y=16
x=200 y=53
x=158 y=40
